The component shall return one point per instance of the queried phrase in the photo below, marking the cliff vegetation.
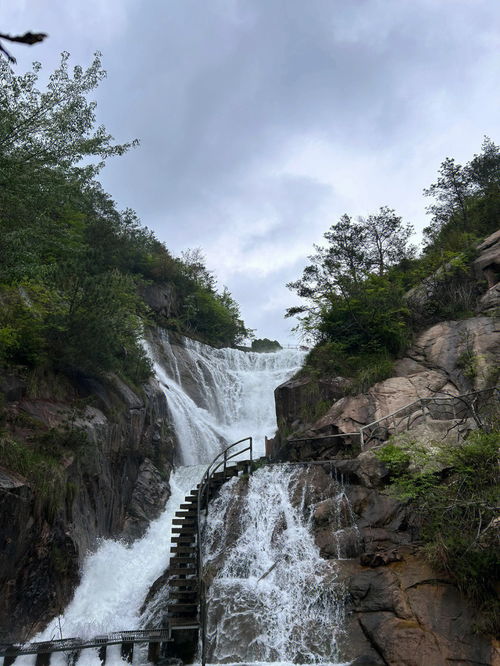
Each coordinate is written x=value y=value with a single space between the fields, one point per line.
x=366 y=292
x=397 y=330
x=73 y=266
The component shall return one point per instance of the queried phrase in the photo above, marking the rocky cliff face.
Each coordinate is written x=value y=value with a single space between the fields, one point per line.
x=394 y=609
x=449 y=358
x=109 y=483
x=399 y=610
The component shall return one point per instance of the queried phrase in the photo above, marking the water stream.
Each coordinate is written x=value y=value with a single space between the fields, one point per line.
x=214 y=397
x=273 y=597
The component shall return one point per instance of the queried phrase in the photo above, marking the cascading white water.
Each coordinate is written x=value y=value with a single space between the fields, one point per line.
x=231 y=398
x=231 y=393
x=273 y=597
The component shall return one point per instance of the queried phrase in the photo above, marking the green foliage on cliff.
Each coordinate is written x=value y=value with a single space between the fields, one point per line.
x=454 y=491
x=356 y=289
x=72 y=264
x=42 y=469
x=265 y=345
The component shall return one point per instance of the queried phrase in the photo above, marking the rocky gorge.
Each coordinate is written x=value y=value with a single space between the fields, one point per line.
x=105 y=451
x=400 y=610
x=116 y=453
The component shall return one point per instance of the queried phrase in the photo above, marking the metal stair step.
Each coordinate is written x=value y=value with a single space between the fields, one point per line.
x=193 y=614
x=182 y=607
x=192 y=513
x=183 y=595
x=189 y=505
x=183 y=623
x=230 y=471
x=183 y=582
x=183 y=549
x=182 y=571
x=188 y=564
x=182 y=559
x=183 y=521
x=183 y=539
x=186 y=529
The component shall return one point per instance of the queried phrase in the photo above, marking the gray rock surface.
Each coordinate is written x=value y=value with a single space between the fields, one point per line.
x=447 y=359
x=112 y=485
x=487 y=264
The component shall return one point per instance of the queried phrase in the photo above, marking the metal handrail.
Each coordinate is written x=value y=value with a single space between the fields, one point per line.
x=204 y=488
x=420 y=402
x=67 y=644
x=337 y=434
x=215 y=466
x=423 y=403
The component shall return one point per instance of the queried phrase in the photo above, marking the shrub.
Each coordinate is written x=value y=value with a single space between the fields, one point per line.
x=455 y=508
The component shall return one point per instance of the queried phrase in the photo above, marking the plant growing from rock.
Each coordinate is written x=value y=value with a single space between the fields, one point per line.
x=454 y=493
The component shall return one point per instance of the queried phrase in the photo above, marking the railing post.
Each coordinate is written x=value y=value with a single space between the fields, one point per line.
x=9 y=659
x=127 y=651
x=73 y=657
x=154 y=652
x=225 y=462
x=203 y=622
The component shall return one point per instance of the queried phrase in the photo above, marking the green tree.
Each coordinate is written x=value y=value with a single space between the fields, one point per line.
x=450 y=192
x=73 y=265
x=386 y=239
x=339 y=284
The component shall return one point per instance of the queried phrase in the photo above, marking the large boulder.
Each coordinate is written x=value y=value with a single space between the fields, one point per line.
x=466 y=351
x=350 y=413
x=487 y=264
x=446 y=360
x=298 y=398
x=410 y=616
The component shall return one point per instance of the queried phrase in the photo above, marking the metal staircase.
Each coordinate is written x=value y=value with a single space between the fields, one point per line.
x=187 y=599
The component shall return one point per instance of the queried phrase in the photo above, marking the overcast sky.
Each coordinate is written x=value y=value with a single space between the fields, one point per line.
x=262 y=121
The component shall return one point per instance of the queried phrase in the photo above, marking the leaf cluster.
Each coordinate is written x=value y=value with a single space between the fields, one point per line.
x=72 y=264
x=367 y=294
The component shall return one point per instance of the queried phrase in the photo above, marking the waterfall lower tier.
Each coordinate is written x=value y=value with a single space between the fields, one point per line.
x=272 y=597
x=116 y=579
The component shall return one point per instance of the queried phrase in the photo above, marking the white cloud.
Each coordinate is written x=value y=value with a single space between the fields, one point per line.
x=262 y=122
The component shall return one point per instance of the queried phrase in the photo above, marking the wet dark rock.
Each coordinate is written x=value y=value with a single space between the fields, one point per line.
x=366 y=470
x=151 y=491
x=380 y=558
x=298 y=397
x=366 y=660
x=112 y=486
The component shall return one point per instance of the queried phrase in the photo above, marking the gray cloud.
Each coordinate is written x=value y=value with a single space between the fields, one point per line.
x=262 y=122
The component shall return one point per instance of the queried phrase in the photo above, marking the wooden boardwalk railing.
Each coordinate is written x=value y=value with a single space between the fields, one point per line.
x=73 y=646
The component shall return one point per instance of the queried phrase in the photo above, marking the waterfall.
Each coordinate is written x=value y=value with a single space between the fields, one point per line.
x=218 y=396
x=272 y=597
x=215 y=397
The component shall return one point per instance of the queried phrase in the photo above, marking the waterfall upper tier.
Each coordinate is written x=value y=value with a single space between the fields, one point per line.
x=218 y=396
